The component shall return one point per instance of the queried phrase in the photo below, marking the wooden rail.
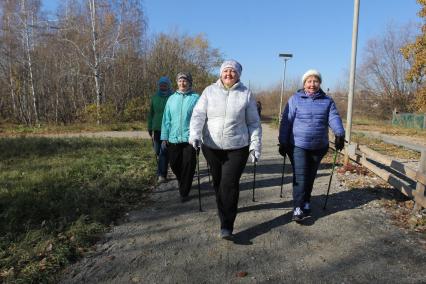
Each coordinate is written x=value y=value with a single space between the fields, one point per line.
x=368 y=157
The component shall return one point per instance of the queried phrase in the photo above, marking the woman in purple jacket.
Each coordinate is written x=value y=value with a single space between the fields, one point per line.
x=303 y=137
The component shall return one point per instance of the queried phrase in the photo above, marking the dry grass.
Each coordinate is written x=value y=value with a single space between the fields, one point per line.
x=386 y=128
x=384 y=148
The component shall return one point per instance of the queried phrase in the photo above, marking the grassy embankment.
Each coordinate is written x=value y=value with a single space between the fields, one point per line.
x=7 y=129
x=57 y=196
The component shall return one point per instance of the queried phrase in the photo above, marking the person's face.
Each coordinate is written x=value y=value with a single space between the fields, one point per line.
x=163 y=87
x=229 y=77
x=312 y=85
x=183 y=85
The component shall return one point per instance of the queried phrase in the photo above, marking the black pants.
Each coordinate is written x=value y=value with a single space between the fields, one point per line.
x=183 y=162
x=163 y=157
x=226 y=167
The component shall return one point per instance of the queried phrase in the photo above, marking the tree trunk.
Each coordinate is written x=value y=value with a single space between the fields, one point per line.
x=30 y=68
x=95 y=67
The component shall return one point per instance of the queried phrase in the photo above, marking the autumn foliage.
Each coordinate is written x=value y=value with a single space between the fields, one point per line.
x=416 y=52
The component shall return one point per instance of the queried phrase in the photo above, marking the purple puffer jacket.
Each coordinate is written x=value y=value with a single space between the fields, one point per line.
x=306 y=119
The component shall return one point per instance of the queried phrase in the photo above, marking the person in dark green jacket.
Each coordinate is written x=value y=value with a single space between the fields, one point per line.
x=155 y=117
x=175 y=133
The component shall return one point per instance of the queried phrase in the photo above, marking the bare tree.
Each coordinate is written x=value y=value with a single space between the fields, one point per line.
x=25 y=16
x=382 y=72
x=93 y=63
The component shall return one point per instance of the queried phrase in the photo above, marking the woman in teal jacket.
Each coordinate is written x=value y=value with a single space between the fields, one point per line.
x=175 y=133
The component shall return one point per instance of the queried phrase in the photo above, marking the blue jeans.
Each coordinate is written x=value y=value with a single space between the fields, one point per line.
x=163 y=157
x=305 y=165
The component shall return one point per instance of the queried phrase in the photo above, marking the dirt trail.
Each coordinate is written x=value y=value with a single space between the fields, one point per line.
x=170 y=242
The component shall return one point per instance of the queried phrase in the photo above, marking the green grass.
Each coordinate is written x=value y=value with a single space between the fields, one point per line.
x=58 y=195
x=16 y=129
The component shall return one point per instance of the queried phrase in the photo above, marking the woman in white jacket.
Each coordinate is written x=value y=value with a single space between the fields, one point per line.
x=227 y=123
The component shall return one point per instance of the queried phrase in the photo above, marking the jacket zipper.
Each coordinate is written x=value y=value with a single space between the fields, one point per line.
x=181 y=126
x=224 y=118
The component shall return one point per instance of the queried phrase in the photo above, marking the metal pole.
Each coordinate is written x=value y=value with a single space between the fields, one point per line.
x=254 y=179
x=331 y=176
x=282 y=91
x=198 y=177
x=282 y=178
x=352 y=78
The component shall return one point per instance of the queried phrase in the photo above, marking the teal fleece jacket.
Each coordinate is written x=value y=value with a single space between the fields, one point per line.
x=177 y=115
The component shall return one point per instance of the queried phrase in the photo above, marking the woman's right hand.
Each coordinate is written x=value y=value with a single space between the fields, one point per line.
x=164 y=145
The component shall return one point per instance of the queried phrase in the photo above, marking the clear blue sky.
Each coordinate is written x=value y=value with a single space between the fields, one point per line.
x=317 y=33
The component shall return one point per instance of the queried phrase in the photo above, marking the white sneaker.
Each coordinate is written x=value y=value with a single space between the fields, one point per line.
x=298 y=214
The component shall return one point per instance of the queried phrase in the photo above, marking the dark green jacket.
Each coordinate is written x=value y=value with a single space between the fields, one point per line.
x=155 y=116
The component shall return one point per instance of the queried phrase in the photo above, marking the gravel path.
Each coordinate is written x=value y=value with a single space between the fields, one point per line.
x=353 y=241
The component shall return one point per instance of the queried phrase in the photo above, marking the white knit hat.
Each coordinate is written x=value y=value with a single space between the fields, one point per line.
x=311 y=72
x=231 y=64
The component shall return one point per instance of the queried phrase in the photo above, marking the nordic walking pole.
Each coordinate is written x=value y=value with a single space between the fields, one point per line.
x=198 y=177
x=331 y=176
x=254 y=178
x=282 y=178
x=208 y=171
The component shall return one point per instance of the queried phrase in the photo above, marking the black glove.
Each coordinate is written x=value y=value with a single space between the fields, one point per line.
x=150 y=133
x=282 y=149
x=339 y=142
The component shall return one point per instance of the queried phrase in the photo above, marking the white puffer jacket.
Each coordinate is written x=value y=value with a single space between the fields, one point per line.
x=226 y=119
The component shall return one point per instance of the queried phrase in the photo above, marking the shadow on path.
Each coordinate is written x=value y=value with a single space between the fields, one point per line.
x=337 y=202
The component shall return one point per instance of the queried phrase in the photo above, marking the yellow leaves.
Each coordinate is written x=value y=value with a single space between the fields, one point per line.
x=422 y=12
x=417 y=52
x=201 y=42
x=110 y=19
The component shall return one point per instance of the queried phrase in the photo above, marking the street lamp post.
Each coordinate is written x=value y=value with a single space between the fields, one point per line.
x=352 y=78
x=286 y=57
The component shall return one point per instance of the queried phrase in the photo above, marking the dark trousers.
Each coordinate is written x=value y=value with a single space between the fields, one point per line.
x=226 y=167
x=163 y=157
x=182 y=161
x=305 y=165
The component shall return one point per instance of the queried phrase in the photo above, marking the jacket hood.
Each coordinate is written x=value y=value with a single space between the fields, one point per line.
x=164 y=80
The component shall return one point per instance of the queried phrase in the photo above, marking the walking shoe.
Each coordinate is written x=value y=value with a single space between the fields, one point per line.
x=306 y=209
x=226 y=234
x=161 y=179
x=184 y=199
x=298 y=214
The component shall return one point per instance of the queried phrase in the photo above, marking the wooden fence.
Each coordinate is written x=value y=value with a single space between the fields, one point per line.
x=393 y=172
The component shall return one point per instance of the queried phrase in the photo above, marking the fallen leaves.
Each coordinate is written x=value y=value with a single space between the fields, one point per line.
x=355 y=176
x=241 y=274
x=403 y=215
